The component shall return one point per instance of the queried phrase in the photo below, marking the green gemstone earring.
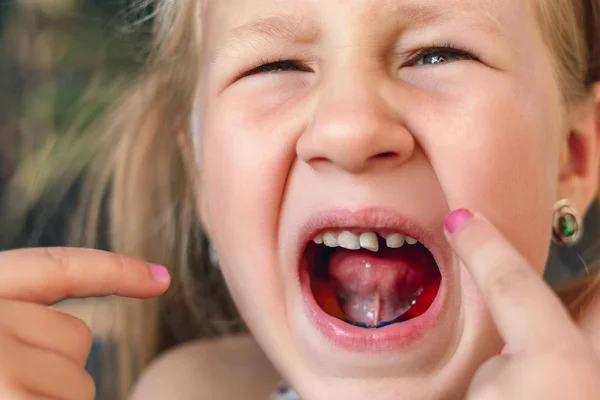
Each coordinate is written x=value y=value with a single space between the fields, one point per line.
x=566 y=225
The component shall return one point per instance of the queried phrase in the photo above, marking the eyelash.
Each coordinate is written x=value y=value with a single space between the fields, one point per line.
x=268 y=66
x=447 y=47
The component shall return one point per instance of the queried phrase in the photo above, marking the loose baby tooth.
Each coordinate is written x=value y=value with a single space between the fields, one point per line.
x=368 y=240
x=330 y=239
x=395 y=241
x=348 y=240
x=410 y=240
x=318 y=239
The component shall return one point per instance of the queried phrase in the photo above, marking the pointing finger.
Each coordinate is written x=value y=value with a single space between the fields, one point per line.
x=49 y=275
x=524 y=308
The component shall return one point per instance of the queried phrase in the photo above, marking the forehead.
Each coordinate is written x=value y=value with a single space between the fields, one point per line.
x=223 y=19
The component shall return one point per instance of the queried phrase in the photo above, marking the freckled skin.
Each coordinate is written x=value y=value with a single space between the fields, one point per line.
x=277 y=147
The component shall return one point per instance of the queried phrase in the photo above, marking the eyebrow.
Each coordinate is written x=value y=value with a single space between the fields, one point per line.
x=420 y=14
x=278 y=28
x=289 y=28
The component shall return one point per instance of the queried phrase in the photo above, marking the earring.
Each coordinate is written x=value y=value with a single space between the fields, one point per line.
x=213 y=257
x=566 y=224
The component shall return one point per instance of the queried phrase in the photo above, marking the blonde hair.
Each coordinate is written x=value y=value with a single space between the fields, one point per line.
x=572 y=31
x=139 y=168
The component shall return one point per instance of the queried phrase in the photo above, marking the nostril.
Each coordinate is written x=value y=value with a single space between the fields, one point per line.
x=388 y=154
x=319 y=160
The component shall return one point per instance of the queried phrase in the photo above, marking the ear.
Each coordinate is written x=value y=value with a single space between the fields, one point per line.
x=580 y=154
x=193 y=177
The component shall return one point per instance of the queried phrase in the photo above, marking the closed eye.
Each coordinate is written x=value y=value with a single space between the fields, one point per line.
x=427 y=56
x=277 y=67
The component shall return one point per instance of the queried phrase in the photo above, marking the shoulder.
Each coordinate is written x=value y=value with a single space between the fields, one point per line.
x=224 y=368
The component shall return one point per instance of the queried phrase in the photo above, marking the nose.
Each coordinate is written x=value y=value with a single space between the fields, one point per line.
x=355 y=128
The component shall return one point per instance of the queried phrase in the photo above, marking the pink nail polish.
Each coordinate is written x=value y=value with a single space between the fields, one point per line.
x=457 y=220
x=160 y=273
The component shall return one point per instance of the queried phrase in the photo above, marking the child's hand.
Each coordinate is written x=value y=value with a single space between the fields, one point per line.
x=546 y=356
x=43 y=351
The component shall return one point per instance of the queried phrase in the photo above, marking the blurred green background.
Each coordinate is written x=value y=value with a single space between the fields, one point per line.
x=56 y=54
x=61 y=63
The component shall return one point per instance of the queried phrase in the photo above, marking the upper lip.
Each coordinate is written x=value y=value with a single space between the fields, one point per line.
x=370 y=219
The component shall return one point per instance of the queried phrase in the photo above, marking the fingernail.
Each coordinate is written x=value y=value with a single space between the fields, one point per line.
x=160 y=273
x=457 y=220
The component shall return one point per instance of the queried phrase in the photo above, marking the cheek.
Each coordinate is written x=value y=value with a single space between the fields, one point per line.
x=245 y=160
x=245 y=163
x=248 y=147
x=496 y=151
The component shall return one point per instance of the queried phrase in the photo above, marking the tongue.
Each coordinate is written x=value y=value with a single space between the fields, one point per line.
x=373 y=288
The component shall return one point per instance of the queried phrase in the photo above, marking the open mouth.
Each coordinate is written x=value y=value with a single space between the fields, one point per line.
x=371 y=279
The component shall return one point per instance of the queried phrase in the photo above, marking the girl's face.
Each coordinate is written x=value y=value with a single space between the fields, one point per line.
x=372 y=116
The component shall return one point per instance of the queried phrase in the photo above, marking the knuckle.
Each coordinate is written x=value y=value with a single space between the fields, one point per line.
x=12 y=393
x=506 y=282
x=59 y=256
x=60 y=262
x=87 y=387
x=114 y=271
x=7 y=314
x=8 y=382
x=120 y=263
x=5 y=347
x=120 y=269
x=9 y=349
x=80 y=329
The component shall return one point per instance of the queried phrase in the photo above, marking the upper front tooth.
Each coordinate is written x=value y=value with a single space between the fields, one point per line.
x=318 y=239
x=369 y=241
x=410 y=240
x=348 y=240
x=330 y=239
x=395 y=241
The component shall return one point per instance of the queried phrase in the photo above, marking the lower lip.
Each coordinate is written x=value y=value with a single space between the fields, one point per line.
x=396 y=337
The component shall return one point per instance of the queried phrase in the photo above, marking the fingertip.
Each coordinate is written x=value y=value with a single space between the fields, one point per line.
x=457 y=220
x=160 y=273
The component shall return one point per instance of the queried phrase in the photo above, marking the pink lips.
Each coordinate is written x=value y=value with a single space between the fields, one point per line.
x=390 y=338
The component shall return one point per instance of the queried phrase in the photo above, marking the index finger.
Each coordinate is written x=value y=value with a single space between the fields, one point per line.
x=49 y=275
x=527 y=313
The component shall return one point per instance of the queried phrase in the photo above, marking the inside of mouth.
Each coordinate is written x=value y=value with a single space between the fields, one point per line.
x=373 y=289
